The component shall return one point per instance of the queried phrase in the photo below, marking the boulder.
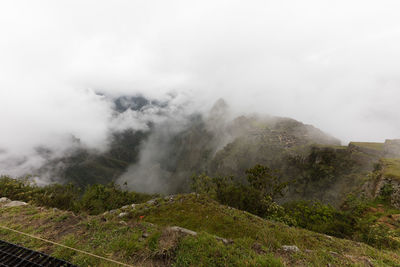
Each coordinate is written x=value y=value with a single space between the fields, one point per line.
x=122 y=214
x=224 y=240
x=291 y=249
x=15 y=204
x=182 y=230
x=152 y=202
x=4 y=199
x=169 y=198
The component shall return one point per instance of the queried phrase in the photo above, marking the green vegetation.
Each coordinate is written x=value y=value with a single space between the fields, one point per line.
x=202 y=251
x=327 y=174
x=335 y=147
x=143 y=237
x=199 y=213
x=93 y=199
x=369 y=145
x=391 y=168
x=321 y=218
x=257 y=195
x=359 y=220
x=234 y=209
x=84 y=168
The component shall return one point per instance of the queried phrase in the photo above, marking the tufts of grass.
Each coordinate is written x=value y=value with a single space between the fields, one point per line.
x=199 y=213
x=143 y=238
x=205 y=250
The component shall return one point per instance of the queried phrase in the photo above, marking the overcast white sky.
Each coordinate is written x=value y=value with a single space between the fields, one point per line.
x=333 y=64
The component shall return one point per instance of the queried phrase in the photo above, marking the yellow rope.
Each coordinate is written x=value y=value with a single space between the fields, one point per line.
x=64 y=246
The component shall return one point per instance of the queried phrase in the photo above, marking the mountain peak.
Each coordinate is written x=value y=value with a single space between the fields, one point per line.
x=220 y=108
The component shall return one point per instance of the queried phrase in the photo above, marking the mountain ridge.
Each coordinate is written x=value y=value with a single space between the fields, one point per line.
x=163 y=158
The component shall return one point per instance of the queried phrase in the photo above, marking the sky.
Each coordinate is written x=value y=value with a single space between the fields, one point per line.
x=333 y=64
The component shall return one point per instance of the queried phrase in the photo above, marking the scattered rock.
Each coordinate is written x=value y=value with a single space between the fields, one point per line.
x=333 y=253
x=169 y=198
x=133 y=206
x=112 y=211
x=105 y=213
x=4 y=199
x=151 y=202
x=223 y=240
x=15 y=204
x=291 y=249
x=122 y=214
x=125 y=207
x=365 y=260
x=145 y=235
x=182 y=230
x=123 y=223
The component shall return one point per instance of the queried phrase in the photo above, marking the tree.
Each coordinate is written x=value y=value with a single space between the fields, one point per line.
x=266 y=181
x=257 y=196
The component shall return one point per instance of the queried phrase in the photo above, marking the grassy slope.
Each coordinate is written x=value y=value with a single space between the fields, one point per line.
x=142 y=237
x=391 y=168
x=369 y=145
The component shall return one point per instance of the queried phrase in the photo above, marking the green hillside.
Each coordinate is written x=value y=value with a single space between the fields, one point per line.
x=268 y=191
x=369 y=145
x=391 y=168
x=224 y=237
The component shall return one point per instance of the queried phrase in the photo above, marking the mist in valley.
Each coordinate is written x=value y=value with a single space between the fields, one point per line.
x=76 y=75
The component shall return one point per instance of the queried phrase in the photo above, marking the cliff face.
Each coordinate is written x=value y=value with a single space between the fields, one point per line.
x=385 y=181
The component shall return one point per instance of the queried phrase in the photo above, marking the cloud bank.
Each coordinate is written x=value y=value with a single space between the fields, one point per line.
x=333 y=65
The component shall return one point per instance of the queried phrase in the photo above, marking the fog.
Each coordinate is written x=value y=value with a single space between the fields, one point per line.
x=333 y=65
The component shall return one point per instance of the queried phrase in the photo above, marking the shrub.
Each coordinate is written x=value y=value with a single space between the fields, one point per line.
x=92 y=199
x=386 y=192
x=98 y=198
x=319 y=217
x=257 y=196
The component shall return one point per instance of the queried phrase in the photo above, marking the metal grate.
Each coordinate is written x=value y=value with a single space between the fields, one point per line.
x=12 y=255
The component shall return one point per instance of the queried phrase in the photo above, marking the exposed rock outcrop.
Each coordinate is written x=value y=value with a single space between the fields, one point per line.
x=15 y=204
x=182 y=230
x=291 y=249
x=4 y=200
